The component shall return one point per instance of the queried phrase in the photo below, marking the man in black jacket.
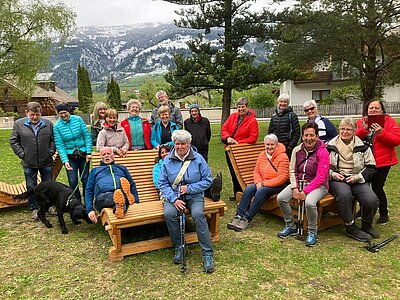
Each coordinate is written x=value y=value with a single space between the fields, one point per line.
x=200 y=129
x=33 y=142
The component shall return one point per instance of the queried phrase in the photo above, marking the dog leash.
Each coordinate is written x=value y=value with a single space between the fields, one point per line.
x=77 y=186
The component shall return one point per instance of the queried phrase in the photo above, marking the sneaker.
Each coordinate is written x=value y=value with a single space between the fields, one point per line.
x=311 y=240
x=119 y=201
x=178 y=255
x=216 y=187
x=382 y=220
x=35 y=215
x=357 y=234
x=242 y=225
x=126 y=188
x=357 y=215
x=287 y=231
x=52 y=211
x=208 y=264
x=234 y=222
x=232 y=198
x=366 y=227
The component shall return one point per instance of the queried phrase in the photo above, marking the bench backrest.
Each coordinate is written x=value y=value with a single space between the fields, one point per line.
x=140 y=165
x=243 y=158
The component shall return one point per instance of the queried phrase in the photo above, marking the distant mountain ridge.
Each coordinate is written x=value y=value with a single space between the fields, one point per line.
x=125 y=51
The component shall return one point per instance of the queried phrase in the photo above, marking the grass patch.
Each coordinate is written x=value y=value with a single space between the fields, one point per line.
x=41 y=263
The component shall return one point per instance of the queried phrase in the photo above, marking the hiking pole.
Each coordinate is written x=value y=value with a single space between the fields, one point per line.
x=376 y=247
x=300 y=213
x=183 y=237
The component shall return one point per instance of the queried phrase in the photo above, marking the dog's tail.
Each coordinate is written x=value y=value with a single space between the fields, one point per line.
x=20 y=197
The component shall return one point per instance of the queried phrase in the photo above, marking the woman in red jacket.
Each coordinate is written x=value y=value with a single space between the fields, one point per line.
x=241 y=127
x=270 y=175
x=137 y=129
x=384 y=139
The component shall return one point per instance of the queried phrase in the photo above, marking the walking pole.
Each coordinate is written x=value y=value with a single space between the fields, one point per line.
x=300 y=213
x=183 y=237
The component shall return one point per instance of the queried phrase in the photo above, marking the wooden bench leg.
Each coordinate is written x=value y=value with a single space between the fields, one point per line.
x=115 y=252
x=213 y=225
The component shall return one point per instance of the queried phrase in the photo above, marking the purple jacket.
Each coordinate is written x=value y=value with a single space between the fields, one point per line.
x=311 y=166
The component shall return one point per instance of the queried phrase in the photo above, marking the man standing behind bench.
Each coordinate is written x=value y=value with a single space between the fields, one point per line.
x=32 y=141
x=109 y=185
x=196 y=175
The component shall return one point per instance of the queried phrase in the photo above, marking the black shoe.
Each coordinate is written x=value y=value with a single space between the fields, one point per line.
x=382 y=220
x=216 y=187
x=357 y=234
x=367 y=227
x=357 y=215
x=232 y=198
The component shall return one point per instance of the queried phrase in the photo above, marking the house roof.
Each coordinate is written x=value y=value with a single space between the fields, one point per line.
x=58 y=94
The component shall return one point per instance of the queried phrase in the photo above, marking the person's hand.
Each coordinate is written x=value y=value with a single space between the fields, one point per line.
x=364 y=122
x=351 y=179
x=88 y=157
x=92 y=216
x=179 y=204
x=123 y=152
x=230 y=140
x=295 y=194
x=302 y=196
x=68 y=166
x=258 y=185
x=157 y=147
x=183 y=189
x=119 y=152
x=339 y=177
x=378 y=129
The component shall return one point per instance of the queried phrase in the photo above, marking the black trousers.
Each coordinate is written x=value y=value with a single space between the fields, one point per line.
x=235 y=182
x=377 y=184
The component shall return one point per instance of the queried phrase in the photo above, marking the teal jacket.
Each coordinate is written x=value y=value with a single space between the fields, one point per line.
x=156 y=133
x=70 y=135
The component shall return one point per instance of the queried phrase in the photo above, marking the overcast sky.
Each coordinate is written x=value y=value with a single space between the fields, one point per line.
x=125 y=12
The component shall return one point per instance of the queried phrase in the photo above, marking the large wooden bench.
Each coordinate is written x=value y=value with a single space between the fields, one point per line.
x=243 y=158
x=7 y=191
x=150 y=209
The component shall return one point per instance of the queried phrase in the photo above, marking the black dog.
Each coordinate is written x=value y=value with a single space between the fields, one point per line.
x=52 y=193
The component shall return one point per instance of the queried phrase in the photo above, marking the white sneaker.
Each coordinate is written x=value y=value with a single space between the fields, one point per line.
x=35 y=214
x=52 y=211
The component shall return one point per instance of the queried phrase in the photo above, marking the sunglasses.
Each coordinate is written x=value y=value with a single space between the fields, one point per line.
x=307 y=109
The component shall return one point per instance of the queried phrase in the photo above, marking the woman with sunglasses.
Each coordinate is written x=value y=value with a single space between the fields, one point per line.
x=326 y=129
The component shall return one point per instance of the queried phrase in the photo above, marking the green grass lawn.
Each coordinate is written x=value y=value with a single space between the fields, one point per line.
x=41 y=263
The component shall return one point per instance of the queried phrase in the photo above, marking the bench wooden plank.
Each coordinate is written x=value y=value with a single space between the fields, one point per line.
x=243 y=158
x=150 y=210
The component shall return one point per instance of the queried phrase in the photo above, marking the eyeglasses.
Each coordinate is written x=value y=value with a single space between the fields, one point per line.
x=307 y=109
x=346 y=129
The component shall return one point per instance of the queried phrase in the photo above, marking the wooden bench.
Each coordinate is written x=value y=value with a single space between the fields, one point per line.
x=7 y=191
x=243 y=158
x=150 y=210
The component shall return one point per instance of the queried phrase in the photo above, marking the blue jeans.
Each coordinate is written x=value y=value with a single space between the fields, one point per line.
x=31 y=181
x=73 y=178
x=260 y=196
x=106 y=199
x=196 y=207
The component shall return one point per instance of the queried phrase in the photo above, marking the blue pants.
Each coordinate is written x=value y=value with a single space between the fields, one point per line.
x=31 y=181
x=196 y=207
x=73 y=178
x=106 y=199
x=260 y=196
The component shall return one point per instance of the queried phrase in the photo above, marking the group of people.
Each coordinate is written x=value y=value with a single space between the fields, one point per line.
x=35 y=139
x=344 y=164
x=351 y=164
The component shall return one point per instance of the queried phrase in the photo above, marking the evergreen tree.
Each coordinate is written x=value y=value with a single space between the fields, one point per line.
x=85 y=94
x=114 y=94
x=225 y=66
x=358 y=39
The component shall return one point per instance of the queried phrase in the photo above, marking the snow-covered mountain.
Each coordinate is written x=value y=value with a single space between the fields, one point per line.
x=122 y=51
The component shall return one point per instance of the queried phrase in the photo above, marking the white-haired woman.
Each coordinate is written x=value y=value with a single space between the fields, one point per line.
x=194 y=181
x=326 y=129
x=137 y=129
x=284 y=124
x=270 y=175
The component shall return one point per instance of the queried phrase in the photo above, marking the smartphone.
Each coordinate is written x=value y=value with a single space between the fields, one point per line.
x=379 y=119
